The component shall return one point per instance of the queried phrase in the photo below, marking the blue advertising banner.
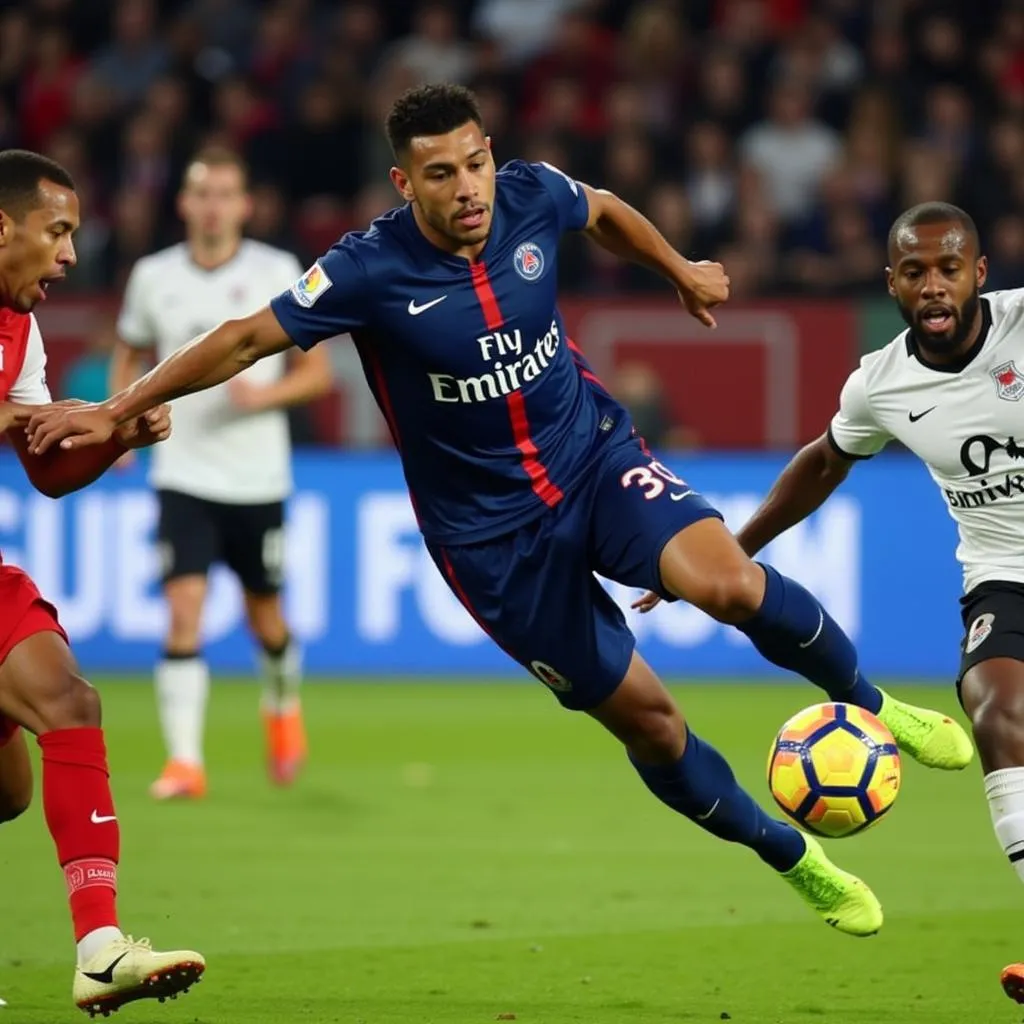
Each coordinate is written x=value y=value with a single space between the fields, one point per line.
x=364 y=597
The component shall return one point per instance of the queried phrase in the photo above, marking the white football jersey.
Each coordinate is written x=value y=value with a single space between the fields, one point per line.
x=966 y=423
x=216 y=451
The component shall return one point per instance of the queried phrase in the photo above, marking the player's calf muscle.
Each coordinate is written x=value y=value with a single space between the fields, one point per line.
x=993 y=695
x=642 y=715
x=704 y=566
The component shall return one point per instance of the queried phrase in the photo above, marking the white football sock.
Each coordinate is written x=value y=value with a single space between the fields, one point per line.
x=1004 y=790
x=89 y=945
x=282 y=676
x=182 y=686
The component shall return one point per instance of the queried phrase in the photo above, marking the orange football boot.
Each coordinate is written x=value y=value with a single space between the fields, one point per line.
x=180 y=781
x=286 y=743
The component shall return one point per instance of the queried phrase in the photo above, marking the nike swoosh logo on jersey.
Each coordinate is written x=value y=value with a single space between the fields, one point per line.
x=679 y=497
x=97 y=819
x=914 y=417
x=106 y=977
x=415 y=310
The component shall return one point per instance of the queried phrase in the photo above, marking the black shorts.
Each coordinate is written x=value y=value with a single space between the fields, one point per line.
x=993 y=615
x=194 y=533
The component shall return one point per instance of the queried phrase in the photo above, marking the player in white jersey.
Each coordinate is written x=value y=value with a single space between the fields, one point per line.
x=223 y=476
x=950 y=388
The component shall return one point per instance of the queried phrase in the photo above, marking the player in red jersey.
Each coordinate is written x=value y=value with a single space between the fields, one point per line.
x=40 y=686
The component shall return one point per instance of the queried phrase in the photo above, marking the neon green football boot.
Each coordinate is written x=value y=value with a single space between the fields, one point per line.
x=929 y=737
x=841 y=899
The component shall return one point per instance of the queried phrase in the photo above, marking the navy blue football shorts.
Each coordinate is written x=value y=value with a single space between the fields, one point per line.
x=533 y=590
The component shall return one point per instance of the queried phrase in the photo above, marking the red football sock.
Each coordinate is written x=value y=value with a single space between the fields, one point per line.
x=80 y=814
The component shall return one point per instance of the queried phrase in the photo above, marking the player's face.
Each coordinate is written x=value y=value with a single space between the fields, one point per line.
x=37 y=250
x=450 y=180
x=936 y=278
x=214 y=202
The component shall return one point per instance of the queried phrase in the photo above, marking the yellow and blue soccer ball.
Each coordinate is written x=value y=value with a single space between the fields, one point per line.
x=834 y=769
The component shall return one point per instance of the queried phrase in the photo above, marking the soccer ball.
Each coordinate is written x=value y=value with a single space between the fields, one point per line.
x=834 y=769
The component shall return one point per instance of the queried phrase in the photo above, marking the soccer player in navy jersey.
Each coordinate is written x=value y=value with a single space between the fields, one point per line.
x=527 y=476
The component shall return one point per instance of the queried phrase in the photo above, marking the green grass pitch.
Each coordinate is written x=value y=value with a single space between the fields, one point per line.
x=463 y=853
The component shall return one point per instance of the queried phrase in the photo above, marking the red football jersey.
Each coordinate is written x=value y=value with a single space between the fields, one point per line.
x=22 y=359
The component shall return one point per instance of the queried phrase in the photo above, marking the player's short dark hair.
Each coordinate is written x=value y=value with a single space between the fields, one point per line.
x=934 y=213
x=21 y=172
x=430 y=110
x=221 y=156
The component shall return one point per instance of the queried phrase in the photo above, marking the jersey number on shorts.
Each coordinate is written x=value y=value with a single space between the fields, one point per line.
x=651 y=479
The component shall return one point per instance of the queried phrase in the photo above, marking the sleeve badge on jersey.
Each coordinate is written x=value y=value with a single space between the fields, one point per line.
x=529 y=261
x=313 y=283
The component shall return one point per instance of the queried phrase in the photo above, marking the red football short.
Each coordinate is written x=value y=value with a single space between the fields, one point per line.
x=23 y=613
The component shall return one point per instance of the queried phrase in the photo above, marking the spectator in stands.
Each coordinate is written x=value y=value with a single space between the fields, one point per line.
x=1005 y=250
x=47 y=88
x=834 y=106
x=791 y=150
x=135 y=56
x=434 y=51
x=711 y=182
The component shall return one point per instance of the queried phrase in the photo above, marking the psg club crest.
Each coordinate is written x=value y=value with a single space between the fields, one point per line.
x=529 y=261
x=1009 y=382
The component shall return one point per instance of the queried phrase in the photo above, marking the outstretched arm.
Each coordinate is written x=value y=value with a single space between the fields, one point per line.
x=59 y=472
x=624 y=231
x=210 y=359
x=309 y=376
x=803 y=486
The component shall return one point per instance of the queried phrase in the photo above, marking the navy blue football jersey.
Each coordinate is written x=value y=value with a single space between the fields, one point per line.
x=492 y=408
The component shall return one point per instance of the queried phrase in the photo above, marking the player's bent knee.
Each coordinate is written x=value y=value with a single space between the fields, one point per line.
x=70 y=703
x=733 y=594
x=658 y=735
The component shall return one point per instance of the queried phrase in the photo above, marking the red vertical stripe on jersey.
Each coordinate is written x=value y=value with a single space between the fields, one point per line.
x=542 y=485
x=485 y=296
x=548 y=492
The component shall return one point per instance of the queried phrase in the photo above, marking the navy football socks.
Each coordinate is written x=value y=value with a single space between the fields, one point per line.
x=701 y=786
x=793 y=631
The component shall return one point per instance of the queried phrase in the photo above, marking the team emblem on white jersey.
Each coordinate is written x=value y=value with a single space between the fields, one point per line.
x=1009 y=381
x=979 y=632
x=529 y=261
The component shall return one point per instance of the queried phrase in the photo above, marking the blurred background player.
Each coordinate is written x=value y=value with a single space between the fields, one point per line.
x=40 y=685
x=223 y=478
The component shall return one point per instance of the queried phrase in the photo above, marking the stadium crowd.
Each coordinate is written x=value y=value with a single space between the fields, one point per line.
x=779 y=136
